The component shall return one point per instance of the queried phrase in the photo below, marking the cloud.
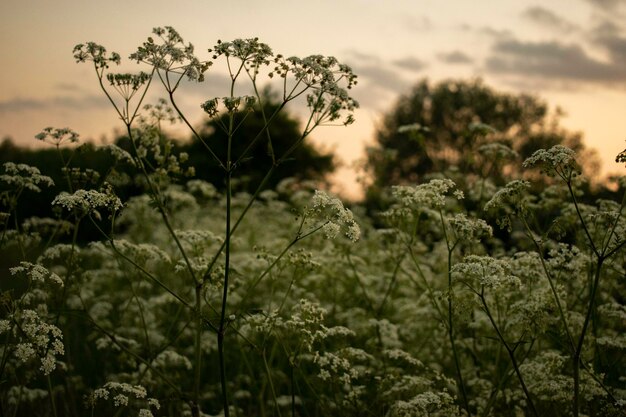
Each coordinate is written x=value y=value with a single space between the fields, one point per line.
x=375 y=72
x=19 y=104
x=455 y=57
x=410 y=63
x=553 y=61
x=418 y=23
x=486 y=31
x=548 y=19
x=378 y=81
x=372 y=97
x=608 y=36
x=382 y=77
x=606 y=5
x=361 y=56
x=67 y=87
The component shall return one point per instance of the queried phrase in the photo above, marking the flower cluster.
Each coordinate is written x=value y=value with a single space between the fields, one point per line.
x=508 y=201
x=35 y=338
x=91 y=51
x=468 y=229
x=151 y=148
x=411 y=202
x=159 y=112
x=57 y=136
x=558 y=160
x=24 y=177
x=432 y=194
x=126 y=84
x=84 y=202
x=122 y=393
x=36 y=273
x=335 y=217
x=252 y=52
x=426 y=404
x=171 y=54
x=325 y=77
x=231 y=104
x=485 y=271
x=315 y=70
x=119 y=154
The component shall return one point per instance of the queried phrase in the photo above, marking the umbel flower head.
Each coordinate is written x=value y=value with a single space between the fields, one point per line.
x=35 y=339
x=22 y=176
x=57 y=136
x=558 y=160
x=126 y=84
x=485 y=271
x=84 y=202
x=508 y=201
x=91 y=51
x=250 y=51
x=335 y=217
x=170 y=53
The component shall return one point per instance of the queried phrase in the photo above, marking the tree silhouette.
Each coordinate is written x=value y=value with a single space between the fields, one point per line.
x=284 y=131
x=437 y=127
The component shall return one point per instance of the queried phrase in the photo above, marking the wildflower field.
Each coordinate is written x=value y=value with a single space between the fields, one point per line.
x=462 y=296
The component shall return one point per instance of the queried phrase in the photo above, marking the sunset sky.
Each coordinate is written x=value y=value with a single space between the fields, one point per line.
x=571 y=53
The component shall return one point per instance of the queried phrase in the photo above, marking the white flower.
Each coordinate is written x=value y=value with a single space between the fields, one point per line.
x=88 y=201
x=120 y=399
x=5 y=326
x=22 y=176
x=57 y=136
x=119 y=154
x=335 y=216
x=24 y=351
x=558 y=160
x=486 y=271
x=37 y=273
x=431 y=194
x=467 y=229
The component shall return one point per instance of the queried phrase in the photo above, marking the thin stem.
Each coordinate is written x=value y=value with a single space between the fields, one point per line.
x=510 y=351
x=557 y=299
x=455 y=354
x=579 y=347
x=150 y=276
x=390 y=287
x=51 y=393
x=271 y=382
x=197 y=347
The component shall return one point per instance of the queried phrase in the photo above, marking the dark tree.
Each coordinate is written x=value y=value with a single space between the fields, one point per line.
x=305 y=162
x=437 y=127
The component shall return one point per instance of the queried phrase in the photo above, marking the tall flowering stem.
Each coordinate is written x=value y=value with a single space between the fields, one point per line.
x=560 y=162
x=321 y=80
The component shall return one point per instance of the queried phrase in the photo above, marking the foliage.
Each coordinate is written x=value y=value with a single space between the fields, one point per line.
x=459 y=125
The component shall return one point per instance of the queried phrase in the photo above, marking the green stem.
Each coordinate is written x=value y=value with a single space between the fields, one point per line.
x=222 y=323
x=271 y=382
x=197 y=347
x=511 y=353
x=579 y=347
x=455 y=354
x=52 y=401
x=557 y=299
x=452 y=340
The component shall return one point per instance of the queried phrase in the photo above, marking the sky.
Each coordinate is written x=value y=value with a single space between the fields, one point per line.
x=569 y=53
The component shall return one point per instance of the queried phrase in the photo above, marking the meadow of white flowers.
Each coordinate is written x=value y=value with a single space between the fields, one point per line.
x=465 y=299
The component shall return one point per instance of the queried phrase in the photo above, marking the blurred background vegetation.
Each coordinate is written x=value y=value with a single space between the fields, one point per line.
x=435 y=128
